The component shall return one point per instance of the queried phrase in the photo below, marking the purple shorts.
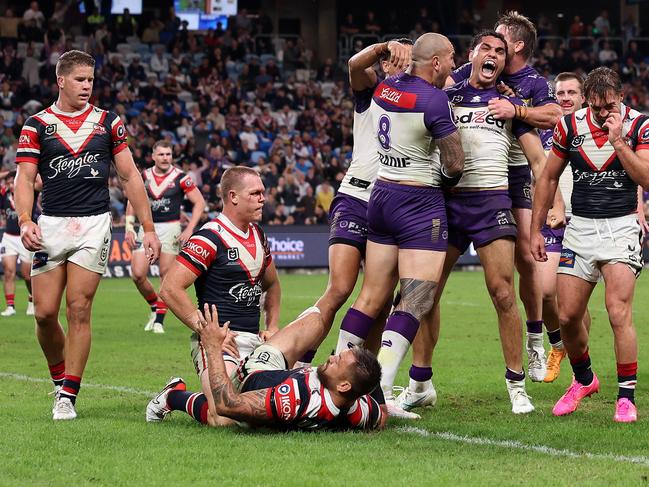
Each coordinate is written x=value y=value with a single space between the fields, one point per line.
x=520 y=187
x=348 y=221
x=553 y=238
x=410 y=217
x=479 y=217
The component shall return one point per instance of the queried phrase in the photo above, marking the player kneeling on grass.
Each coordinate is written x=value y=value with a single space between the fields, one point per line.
x=342 y=393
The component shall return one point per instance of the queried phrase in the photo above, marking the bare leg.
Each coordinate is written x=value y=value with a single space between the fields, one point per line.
x=48 y=291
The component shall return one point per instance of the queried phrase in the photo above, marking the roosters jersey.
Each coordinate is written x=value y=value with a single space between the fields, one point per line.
x=485 y=140
x=8 y=205
x=601 y=186
x=296 y=399
x=230 y=266
x=166 y=193
x=73 y=152
x=528 y=85
x=408 y=115
x=360 y=177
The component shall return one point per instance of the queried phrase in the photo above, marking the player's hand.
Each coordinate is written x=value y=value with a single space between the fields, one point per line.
x=151 y=245
x=384 y=416
x=556 y=218
x=210 y=330
x=31 y=236
x=131 y=239
x=399 y=55
x=184 y=236
x=229 y=345
x=266 y=334
x=505 y=89
x=501 y=109
x=614 y=126
x=538 y=247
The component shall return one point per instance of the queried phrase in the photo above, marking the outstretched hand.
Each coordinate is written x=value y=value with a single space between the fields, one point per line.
x=209 y=329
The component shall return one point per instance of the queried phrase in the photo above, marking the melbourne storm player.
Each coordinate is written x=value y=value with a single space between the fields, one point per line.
x=228 y=261
x=166 y=187
x=541 y=111
x=348 y=213
x=479 y=209
x=12 y=249
x=71 y=145
x=607 y=146
x=406 y=212
x=342 y=393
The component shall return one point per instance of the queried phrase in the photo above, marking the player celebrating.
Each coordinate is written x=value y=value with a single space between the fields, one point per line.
x=479 y=211
x=406 y=213
x=229 y=262
x=265 y=392
x=348 y=213
x=13 y=249
x=166 y=186
x=606 y=145
x=71 y=145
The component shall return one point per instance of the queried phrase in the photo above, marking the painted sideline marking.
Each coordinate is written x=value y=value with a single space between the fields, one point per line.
x=517 y=445
x=441 y=435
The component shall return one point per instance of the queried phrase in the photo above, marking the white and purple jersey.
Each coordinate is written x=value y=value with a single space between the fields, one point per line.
x=485 y=140
x=532 y=88
x=408 y=115
x=360 y=177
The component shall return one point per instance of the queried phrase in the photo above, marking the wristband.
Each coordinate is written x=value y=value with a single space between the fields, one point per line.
x=148 y=226
x=129 y=223
x=24 y=218
x=450 y=181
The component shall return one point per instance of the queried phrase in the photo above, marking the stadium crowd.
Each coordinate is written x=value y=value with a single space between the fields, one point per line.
x=234 y=97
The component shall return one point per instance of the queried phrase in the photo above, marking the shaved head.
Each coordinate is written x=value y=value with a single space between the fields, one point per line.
x=433 y=58
x=430 y=45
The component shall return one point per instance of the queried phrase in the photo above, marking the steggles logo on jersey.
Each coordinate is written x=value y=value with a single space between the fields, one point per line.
x=71 y=166
x=595 y=178
x=163 y=204
x=248 y=294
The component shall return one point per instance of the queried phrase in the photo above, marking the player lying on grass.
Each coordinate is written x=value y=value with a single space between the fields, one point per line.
x=342 y=393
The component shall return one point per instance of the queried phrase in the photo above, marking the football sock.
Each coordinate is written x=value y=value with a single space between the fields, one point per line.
x=400 y=331
x=152 y=299
x=160 y=312
x=354 y=329
x=10 y=298
x=305 y=360
x=534 y=326
x=512 y=376
x=57 y=372
x=627 y=376
x=555 y=339
x=420 y=378
x=71 y=386
x=193 y=403
x=581 y=369
x=28 y=285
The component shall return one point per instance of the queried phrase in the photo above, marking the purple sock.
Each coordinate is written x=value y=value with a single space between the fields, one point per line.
x=515 y=376
x=534 y=326
x=307 y=358
x=404 y=324
x=357 y=323
x=421 y=374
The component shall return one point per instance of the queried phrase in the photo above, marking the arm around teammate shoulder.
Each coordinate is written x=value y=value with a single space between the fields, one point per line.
x=635 y=163
x=542 y=117
x=30 y=233
x=134 y=188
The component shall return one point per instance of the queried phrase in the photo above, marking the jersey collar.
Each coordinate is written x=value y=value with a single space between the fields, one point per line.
x=232 y=227
x=58 y=111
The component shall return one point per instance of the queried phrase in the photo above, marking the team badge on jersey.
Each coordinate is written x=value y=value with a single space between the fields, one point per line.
x=50 y=129
x=233 y=254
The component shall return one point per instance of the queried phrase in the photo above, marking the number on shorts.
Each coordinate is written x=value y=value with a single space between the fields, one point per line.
x=384 y=132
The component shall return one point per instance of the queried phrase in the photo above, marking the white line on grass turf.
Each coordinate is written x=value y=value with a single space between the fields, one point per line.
x=517 y=445
x=441 y=435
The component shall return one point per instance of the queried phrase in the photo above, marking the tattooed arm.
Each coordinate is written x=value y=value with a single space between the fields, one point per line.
x=248 y=406
x=451 y=154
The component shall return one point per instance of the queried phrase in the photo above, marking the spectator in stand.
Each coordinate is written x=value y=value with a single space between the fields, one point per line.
x=349 y=26
x=371 y=24
x=249 y=137
x=602 y=26
x=324 y=195
x=159 y=63
x=607 y=55
x=9 y=25
x=34 y=14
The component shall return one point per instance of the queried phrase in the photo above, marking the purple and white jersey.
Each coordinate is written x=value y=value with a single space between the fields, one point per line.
x=532 y=88
x=408 y=115
x=485 y=140
x=360 y=177
x=565 y=180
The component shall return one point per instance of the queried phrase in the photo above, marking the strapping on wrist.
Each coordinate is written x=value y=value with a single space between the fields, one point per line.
x=24 y=218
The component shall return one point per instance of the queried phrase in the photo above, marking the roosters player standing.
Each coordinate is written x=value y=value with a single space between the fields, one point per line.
x=71 y=145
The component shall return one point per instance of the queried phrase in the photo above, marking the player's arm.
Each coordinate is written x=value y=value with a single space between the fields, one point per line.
x=636 y=163
x=533 y=150
x=543 y=117
x=544 y=193
x=25 y=184
x=173 y=291
x=198 y=206
x=642 y=219
x=134 y=188
x=248 y=406
x=272 y=300
x=129 y=225
x=452 y=157
x=361 y=74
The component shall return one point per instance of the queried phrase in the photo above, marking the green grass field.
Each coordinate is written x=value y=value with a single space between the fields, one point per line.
x=469 y=438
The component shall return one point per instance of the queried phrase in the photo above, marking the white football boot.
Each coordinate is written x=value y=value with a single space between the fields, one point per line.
x=520 y=400
x=409 y=399
x=149 y=324
x=157 y=408
x=63 y=409
x=536 y=360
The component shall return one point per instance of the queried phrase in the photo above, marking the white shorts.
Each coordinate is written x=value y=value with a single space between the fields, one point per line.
x=12 y=245
x=590 y=243
x=246 y=343
x=167 y=232
x=84 y=240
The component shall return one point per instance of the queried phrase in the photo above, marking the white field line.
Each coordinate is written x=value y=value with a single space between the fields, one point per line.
x=517 y=445
x=440 y=435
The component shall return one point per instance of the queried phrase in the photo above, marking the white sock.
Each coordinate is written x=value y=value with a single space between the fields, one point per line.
x=345 y=339
x=417 y=386
x=390 y=357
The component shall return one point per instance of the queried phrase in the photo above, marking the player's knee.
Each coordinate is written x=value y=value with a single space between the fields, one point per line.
x=503 y=296
x=338 y=293
x=138 y=277
x=417 y=297
x=46 y=317
x=9 y=274
x=78 y=310
x=619 y=313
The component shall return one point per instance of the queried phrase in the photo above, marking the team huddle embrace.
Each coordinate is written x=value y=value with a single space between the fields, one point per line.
x=444 y=158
